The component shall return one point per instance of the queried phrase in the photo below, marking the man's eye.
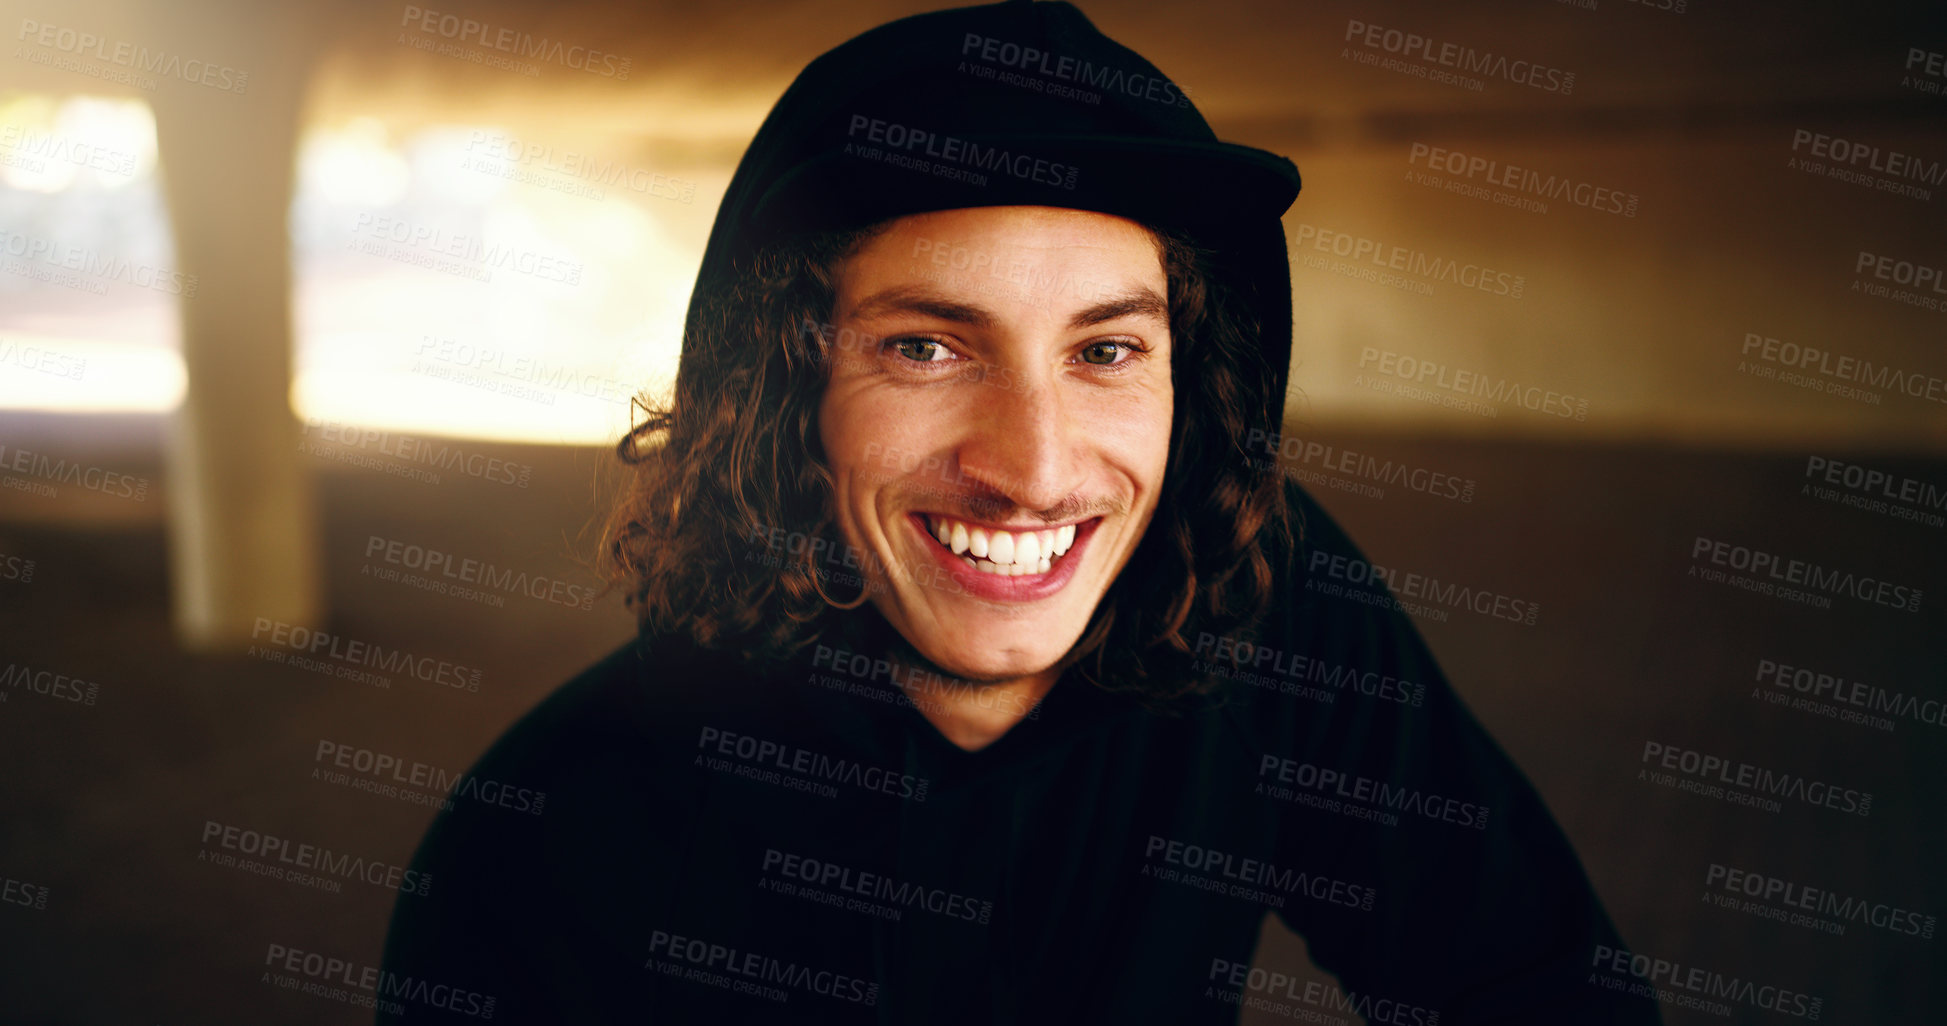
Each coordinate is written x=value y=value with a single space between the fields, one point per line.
x=922 y=350
x=1104 y=353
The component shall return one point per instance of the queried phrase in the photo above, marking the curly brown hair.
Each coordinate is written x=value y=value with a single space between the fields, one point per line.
x=735 y=455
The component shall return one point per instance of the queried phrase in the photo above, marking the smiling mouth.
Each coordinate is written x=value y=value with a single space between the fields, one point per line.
x=1018 y=553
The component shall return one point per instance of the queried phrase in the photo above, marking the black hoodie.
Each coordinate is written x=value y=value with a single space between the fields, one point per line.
x=797 y=843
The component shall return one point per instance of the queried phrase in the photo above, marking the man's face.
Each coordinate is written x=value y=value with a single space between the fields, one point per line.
x=997 y=424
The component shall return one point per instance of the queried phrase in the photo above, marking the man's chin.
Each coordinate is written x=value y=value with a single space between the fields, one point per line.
x=985 y=668
x=953 y=653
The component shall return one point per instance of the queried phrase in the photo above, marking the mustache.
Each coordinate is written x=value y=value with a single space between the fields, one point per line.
x=1000 y=509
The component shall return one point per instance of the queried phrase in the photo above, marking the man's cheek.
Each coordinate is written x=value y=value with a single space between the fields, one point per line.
x=1142 y=426
x=851 y=432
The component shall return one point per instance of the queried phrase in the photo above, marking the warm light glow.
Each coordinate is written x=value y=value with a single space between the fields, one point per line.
x=482 y=294
x=352 y=164
x=82 y=212
x=50 y=145
x=413 y=404
x=59 y=375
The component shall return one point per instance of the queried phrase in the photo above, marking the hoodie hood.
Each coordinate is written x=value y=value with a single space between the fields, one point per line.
x=1014 y=103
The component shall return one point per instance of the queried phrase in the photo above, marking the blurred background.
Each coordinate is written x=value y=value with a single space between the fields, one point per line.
x=302 y=303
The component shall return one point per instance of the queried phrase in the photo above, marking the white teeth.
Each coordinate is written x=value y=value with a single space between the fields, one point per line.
x=1027 y=551
x=1000 y=547
x=1006 y=553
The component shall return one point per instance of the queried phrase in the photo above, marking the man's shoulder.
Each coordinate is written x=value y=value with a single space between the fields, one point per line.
x=1314 y=528
x=574 y=787
x=1329 y=652
x=620 y=704
x=1320 y=555
x=597 y=746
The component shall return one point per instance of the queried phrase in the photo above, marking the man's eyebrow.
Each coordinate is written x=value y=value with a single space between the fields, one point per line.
x=1139 y=300
x=920 y=300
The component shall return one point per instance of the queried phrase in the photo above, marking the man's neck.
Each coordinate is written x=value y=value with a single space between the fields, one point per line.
x=973 y=716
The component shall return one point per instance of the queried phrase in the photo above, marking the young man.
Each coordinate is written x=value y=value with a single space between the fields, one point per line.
x=981 y=678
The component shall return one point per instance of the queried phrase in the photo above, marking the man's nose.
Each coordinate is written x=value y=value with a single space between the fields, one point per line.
x=1025 y=442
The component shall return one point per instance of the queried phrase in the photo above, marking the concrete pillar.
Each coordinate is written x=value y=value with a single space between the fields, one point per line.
x=243 y=520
